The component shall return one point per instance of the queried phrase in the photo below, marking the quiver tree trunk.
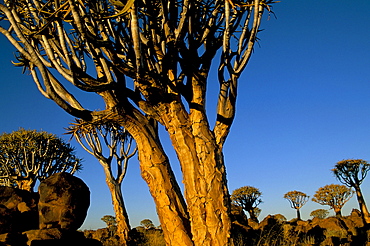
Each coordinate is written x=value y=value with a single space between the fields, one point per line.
x=149 y=61
x=204 y=175
x=123 y=224
x=298 y=214
x=362 y=204
x=157 y=173
x=338 y=212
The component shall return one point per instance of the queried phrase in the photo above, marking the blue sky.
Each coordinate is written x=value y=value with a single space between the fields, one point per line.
x=304 y=104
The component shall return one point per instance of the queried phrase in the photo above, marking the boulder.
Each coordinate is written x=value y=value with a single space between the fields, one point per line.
x=18 y=210
x=64 y=201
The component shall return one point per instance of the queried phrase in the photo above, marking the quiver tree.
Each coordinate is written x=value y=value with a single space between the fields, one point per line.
x=111 y=224
x=248 y=198
x=333 y=195
x=149 y=61
x=147 y=224
x=296 y=199
x=320 y=213
x=28 y=156
x=109 y=143
x=352 y=173
x=109 y=220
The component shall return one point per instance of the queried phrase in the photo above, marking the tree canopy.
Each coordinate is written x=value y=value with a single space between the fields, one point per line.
x=28 y=155
x=320 y=213
x=333 y=195
x=147 y=224
x=296 y=199
x=109 y=220
x=247 y=197
x=109 y=143
x=351 y=172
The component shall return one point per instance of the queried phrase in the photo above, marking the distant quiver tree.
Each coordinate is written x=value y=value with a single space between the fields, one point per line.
x=109 y=220
x=333 y=195
x=296 y=199
x=28 y=155
x=147 y=224
x=113 y=147
x=352 y=173
x=248 y=198
x=111 y=224
x=144 y=62
x=320 y=213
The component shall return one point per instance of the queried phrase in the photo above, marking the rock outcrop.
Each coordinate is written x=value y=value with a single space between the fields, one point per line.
x=64 y=201
x=18 y=210
x=50 y=217
x=346 y=230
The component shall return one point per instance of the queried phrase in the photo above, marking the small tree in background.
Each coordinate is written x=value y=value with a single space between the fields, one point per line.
x=147 y=224
x=352 y=173
x=28 y=155
x=320 y=213
x=248 y=198
x=109 y=143
x=109 y=220
x=296 y=199
x=333 y=195
x=111 y=224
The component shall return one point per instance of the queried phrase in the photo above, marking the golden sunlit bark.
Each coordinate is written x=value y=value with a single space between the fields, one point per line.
x=150 y=61
x=363 y=207
x=203 y=174
x=157 y=173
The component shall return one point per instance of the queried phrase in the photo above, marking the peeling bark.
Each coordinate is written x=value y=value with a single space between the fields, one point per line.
x=157 y=173
x=203 y=175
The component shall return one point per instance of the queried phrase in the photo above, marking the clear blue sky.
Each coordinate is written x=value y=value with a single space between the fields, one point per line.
x=304 y=104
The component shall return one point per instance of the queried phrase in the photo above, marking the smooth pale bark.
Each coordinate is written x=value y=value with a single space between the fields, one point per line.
x=363 y=207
